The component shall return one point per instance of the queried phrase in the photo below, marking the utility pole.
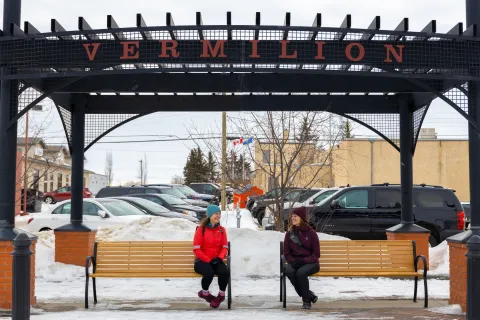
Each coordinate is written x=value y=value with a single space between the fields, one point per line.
x=224 y=161
x=141 y=172
x=25 y=173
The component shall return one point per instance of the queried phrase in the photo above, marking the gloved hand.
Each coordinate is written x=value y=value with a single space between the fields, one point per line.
x=216 y=261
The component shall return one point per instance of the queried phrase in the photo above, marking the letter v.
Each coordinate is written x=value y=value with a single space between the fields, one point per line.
x=93 y=53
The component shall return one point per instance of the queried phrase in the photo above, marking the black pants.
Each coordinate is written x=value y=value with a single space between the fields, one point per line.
x=208 y=271
x=299 y=278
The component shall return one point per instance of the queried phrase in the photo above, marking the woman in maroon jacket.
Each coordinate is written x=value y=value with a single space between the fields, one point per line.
x=302 y=251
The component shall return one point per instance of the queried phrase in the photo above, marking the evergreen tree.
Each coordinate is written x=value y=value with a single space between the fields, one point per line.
x=196 y=168
x=211 y=170
x=306 y=134
x=347 y=130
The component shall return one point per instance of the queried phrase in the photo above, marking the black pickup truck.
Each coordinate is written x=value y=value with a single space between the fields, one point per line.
x=365 y=212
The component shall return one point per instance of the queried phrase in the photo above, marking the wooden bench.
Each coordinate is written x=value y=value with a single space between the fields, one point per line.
x=383 y=258
x=144 y=259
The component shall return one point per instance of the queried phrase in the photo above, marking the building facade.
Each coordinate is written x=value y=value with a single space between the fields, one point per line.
x=96 y=182
x=436 y=162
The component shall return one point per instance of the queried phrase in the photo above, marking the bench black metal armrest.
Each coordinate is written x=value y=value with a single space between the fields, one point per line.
x=424 y=259
x=94 y=263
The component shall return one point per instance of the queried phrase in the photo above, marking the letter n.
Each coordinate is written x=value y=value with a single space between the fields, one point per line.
x=397 y=55
x=91 y=53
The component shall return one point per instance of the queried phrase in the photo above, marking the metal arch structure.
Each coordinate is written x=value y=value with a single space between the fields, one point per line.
x=100 y=79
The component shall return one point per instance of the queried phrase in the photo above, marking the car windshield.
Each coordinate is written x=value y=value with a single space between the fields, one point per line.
x=328 y=197
x=293 y=195
x=324 y=195
x=149 y=205
x=121 y=208
x=307 y=194
x=172 y=200
x=174 y=192
x=186 y=190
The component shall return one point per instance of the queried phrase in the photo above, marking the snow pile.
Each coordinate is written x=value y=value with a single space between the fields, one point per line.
x=440 y=260
x=229 y=219
x=454 y=309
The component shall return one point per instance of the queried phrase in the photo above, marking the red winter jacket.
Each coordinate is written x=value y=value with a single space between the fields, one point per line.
x=210 y=245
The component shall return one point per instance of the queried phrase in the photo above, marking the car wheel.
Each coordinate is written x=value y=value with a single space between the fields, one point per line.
x=45 y=229
x=260 y=216
x=433 y=241
x=49 y=200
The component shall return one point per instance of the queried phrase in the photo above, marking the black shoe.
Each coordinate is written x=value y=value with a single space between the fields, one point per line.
x=307 y=304
x=313 y=297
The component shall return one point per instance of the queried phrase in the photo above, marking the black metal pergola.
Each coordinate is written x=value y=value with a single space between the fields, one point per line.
x=102 y=79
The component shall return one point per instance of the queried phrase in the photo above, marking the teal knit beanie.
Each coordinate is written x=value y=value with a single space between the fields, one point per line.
x=212 y=209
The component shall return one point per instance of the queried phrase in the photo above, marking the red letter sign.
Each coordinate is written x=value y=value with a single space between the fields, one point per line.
x=284 y=50
x=207 y=47
x=254 y=49
x=91 y=54
x=130 y=50
x=348 y=51
x=397 y=55
x=172 y=49
x=320 y=50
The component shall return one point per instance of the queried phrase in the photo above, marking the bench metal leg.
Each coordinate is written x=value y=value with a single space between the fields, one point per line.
x=94 y=280
x=86 y=292
x=284 y=291
x=281 y=287
x=426 y=290
x=229 y=292
x=415 y=290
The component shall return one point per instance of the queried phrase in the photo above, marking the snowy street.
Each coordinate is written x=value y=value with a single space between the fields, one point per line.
x=255 y=279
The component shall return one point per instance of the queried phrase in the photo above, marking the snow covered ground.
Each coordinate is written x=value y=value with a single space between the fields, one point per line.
x=255 y=269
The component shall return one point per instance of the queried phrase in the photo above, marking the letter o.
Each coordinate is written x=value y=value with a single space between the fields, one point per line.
x=348 y=51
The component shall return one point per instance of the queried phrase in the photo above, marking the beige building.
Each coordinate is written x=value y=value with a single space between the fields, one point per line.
x=48 y=166
x=309 y=166
x=436 y=162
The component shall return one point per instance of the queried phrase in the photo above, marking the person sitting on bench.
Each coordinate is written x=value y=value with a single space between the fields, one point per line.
x=210 y=246
x=302 y=251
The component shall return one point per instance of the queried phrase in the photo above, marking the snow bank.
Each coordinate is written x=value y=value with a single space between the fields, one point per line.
x=454 y=309
x=229 y=219
x=440 y=260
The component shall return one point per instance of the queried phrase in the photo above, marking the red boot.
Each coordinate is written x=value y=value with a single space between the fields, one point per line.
x=217 y=301
x=207 y=296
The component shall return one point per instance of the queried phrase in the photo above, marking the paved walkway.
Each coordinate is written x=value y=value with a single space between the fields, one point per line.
x=356 y=309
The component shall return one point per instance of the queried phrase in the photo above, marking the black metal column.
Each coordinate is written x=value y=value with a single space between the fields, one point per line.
x=8 y=136
x=21 y=277
x=406 y=162
x=78 y=105
x=407 y=224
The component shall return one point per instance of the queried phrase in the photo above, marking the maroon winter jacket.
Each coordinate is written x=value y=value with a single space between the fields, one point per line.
x=310 y=250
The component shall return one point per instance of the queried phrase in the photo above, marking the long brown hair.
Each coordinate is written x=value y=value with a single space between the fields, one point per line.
x=302 y=224
x=203 y=223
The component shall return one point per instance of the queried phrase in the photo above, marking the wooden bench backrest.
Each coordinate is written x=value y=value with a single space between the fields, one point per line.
x=171 y=257
x=366 y=256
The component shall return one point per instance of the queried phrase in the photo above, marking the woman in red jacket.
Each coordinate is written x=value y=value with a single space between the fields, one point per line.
x=302 y=251
x=210 y=246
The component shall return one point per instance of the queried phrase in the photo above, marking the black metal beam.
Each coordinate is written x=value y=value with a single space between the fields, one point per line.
x=55 y=26
x=471 y=31
x=402 y=27
x=257 y=23
x=15 y=30
x=112 y=104
x=84 y=26
x=140 y=24
x=375 y=25
x=457 y=30
x=286 y=23
x=170 y=23
x=346 y=24
x=199 y=22
x=430 y=29
x=112 y=24
x=229 y=23
x=317 y=23
x=237 y=82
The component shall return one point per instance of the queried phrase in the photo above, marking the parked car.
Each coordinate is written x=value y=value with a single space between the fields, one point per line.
x=173 y=204
x=365 y=212
x=269 y=195
x=190 y=193
x=96 y=213
x=155 y=209
x=467 y=210
x=293 y=195
x=213 y=189
x=62 y=194
x=268 y=221
x=123 y=191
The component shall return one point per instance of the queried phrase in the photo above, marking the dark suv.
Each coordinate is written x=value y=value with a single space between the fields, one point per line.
x=365 y=212
x=123 y=191
x=212 y=189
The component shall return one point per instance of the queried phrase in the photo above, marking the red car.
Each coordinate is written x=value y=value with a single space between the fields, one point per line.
x=62 y=194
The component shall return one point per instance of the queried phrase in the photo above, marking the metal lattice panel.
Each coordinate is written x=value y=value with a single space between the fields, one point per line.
x=97 y=125
x=26 y=97
x=386 y=124
x=418 y=117
x=66 y=117
x=458 y=97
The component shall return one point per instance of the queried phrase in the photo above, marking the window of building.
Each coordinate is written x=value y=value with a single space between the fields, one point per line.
x=59 y=180
x=67 y=179
x=36 y=178
x=51 y=186
x=45 y=186
x=385 y=199
x=266 y=156
x=51 y=176
x=354 y=199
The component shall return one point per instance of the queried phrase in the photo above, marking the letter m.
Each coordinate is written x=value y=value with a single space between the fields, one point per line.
x=208 y=51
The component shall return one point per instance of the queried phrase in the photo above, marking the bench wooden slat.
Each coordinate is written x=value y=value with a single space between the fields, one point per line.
x=367 y=274
x=145 y=275
x=145 y=244
x=146 y=249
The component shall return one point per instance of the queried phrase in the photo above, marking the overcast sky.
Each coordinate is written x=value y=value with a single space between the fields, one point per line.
x=166 y=159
